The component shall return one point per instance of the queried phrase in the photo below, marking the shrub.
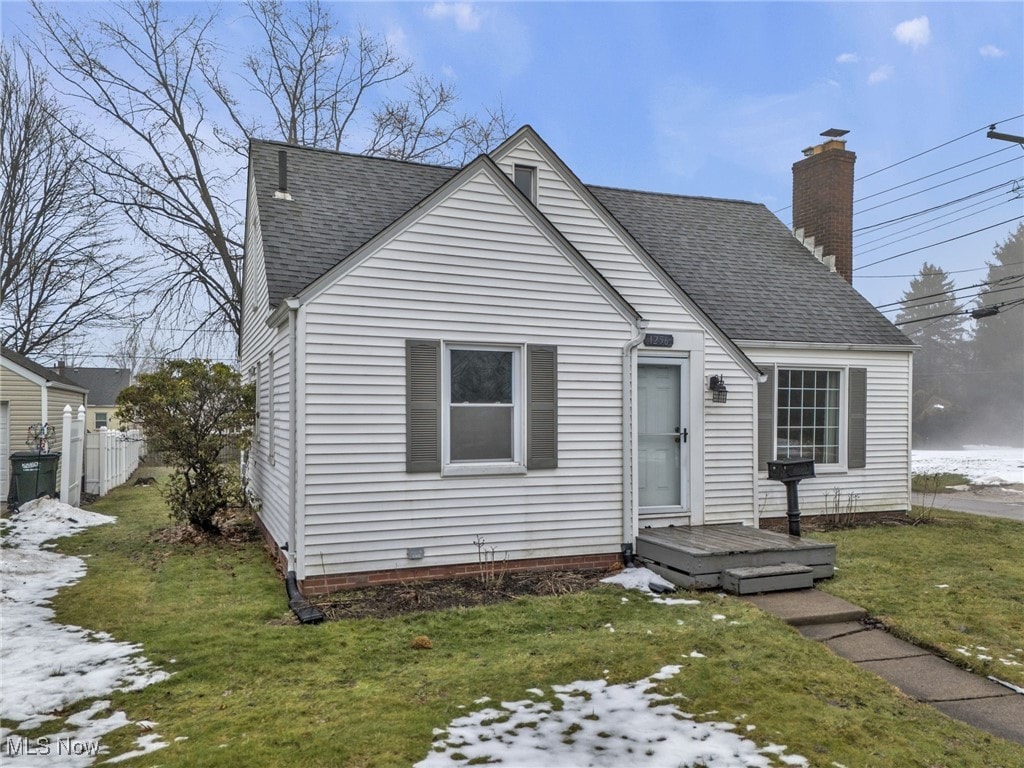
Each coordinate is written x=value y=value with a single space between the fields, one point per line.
x=191 y=410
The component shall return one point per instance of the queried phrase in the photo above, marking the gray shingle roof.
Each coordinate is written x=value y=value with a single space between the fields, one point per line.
x=104 y=384
x=40 y=370
x=339 y=201
x=736 y=260
x=745 y=269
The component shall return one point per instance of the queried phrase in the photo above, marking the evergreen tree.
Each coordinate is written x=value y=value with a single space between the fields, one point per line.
x=997 y=350
x=930 y=316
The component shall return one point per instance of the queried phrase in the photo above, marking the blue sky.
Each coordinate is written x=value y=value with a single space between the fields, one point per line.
x=719 y=99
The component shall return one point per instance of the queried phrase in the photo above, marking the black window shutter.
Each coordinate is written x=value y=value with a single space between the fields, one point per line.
x=766 y=420
x=856 y=443
x=541 y=406
x=423 y=405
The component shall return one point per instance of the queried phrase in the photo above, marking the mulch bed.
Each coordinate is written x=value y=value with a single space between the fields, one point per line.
x=389 y=600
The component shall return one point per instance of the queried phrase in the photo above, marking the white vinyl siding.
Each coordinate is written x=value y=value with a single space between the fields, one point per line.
x=883 y=484
x=728 y=428
x=268 y=479
x=473 y=270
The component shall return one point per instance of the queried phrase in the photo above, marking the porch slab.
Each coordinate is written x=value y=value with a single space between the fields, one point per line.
x=697 y=556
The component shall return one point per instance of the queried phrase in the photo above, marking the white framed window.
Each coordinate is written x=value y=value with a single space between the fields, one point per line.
x=808 y=420
x=483 y=404
x=101 y=419
x=525 y=177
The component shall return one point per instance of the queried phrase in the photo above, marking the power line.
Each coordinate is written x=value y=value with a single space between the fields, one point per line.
x=957 y=290
x=937 y=186
x=941 y=242
x=930 y=175
x=938 y=146
x=997 y=307
x=938 y=207
x=941 y=217
x=965 y=299
x=887 y=243
x=947 y=272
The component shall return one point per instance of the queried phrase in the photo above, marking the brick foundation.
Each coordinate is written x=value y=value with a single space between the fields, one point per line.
x=319 y=585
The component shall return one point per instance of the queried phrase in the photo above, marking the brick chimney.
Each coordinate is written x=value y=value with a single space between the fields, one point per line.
x=823 y=201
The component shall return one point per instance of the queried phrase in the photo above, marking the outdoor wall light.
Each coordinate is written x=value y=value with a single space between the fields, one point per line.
x=719 y=392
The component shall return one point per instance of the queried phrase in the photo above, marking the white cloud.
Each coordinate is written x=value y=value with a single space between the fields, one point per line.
x=991 y=51
x=847 y=58
x=881 y=74
x=464 y=15
x=913 y=32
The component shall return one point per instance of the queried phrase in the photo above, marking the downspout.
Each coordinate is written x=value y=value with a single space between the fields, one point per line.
x=304 y=611
x=628 y=534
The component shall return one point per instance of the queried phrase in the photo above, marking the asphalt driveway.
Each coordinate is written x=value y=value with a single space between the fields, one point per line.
x=992 y=501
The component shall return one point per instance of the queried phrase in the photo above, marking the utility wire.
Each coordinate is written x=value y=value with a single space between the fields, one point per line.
x=985 y=127
x=930 y=175
x=957 y=290
x=936 y=186
x=951 y=299
x=938 y=207
x=887 y=243
x=948 y=272
x=941 y=242
x=1003 y=305
x=940 y=217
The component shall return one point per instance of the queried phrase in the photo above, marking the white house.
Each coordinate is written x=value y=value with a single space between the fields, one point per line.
x=501 y=352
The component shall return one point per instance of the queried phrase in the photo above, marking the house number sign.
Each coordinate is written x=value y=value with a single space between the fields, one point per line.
x=658 y=340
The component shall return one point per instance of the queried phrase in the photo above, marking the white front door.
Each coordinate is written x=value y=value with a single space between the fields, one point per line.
x=663 y=435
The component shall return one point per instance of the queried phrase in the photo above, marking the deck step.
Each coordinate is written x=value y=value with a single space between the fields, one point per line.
x=767 y=578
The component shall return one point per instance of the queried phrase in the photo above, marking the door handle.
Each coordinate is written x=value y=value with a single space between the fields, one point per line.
x=683 y=436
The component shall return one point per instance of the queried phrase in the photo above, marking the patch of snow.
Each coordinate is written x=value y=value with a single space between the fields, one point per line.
x=639 y=579
x=48 y=667
x=983 y=465
x=1011 y=686
x=597 y=724
x=674 y=601
x=942 y=586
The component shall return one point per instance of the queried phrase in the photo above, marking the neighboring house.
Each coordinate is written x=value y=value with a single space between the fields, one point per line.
x=104 y=385
x=31 y=394
x=502 y=353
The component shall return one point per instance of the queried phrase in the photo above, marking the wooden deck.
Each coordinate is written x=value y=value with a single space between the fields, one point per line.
x=735 y=557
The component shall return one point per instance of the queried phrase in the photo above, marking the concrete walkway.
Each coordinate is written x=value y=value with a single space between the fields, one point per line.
x=919 y=673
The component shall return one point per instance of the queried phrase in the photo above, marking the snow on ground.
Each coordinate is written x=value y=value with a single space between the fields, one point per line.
x=48 y=667
x=593 y=723
x=982 y=465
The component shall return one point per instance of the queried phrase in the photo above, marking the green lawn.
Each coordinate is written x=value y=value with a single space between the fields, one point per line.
x=954 y=583
x=251 y=688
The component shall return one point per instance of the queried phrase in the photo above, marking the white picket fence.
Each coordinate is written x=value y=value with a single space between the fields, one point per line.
x=110 y=458
x=72 y=456
x=100 y=460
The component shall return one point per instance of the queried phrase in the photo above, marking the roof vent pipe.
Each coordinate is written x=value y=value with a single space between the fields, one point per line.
x=282 y=176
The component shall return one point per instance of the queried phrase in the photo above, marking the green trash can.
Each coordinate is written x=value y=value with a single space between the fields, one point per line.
x=32 y=475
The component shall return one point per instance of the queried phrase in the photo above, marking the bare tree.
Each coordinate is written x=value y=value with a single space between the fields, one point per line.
x=166 y=167
x=61 y=270
x=178 y=175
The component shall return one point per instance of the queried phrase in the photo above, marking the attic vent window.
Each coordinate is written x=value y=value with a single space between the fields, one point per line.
x=525 y=177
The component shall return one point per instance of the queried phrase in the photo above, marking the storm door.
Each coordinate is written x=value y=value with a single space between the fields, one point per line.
x=662 y=436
